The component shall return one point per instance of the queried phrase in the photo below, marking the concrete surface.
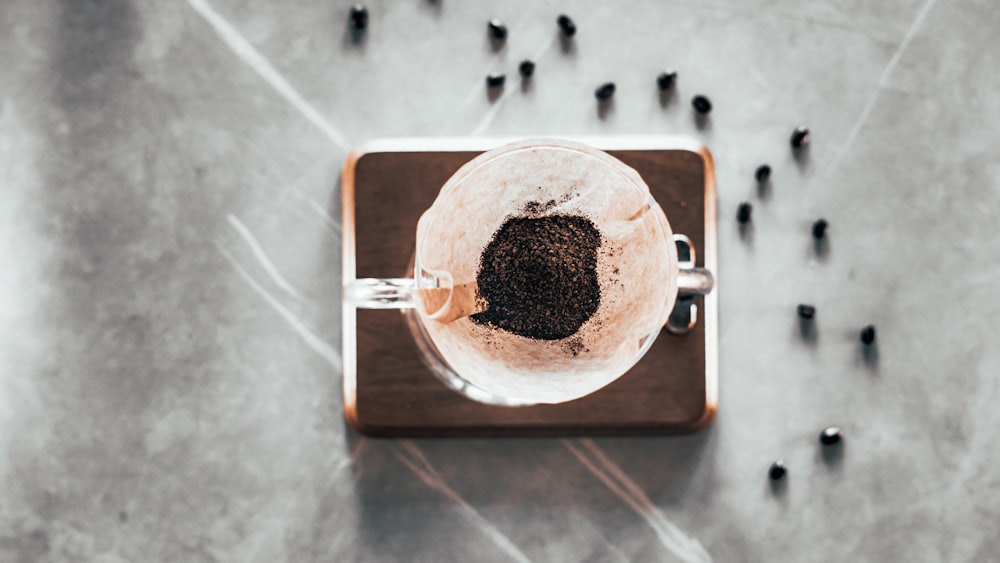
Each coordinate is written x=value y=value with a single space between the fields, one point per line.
x=169 y=355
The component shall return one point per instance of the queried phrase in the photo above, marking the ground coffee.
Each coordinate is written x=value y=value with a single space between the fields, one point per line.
x=538 y=276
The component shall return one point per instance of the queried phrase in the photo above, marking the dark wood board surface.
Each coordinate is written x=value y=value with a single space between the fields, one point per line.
x=389 y=391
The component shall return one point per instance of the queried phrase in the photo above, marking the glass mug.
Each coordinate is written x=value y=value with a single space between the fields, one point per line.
x=542 y=272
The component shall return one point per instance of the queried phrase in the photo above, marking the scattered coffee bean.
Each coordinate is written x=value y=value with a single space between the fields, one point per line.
x=495 y=79
x=819 y=228
x=777 y=470
x=807 y=311
x=830 y=436
x=701 y=104
x=359 y=16
x=566 y=25
x=666 y=80
x=744 y=212
x=763 y=173
x=605 y=91
x=800 y=137
x=526 y=68
x=868 y=334
x=497 y=29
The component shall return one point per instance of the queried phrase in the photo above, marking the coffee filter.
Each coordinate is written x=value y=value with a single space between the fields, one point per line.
x=540 y=178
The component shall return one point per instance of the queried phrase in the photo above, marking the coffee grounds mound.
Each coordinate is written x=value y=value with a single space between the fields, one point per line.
x=538 y=276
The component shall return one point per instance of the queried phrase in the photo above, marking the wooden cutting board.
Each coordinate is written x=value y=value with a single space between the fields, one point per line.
x=388 y=391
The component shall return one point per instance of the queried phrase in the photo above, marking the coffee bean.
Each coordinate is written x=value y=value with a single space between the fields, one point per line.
x=777 y=470
x=526 y=68
x=800 y=137
x=666 y=80
x=359 y=16
x=807 y=311
x=566 y=25
x=830 y=436
x=868 y=334
x=744 y=212
x=819 y=228
x=763 y=173
x=495 y=79
x=497 y=29
x=701 y=104
x=605 y=91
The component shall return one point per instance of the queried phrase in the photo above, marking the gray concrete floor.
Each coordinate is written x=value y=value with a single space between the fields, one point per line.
x=169 y=330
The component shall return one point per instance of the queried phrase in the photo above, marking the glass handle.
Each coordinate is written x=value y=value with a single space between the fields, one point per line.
x=381 y=293
x=692 y=282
